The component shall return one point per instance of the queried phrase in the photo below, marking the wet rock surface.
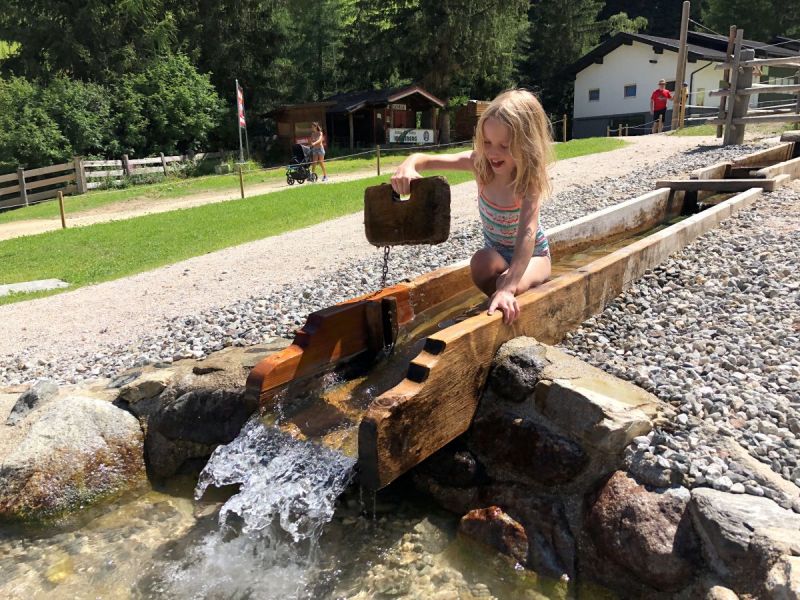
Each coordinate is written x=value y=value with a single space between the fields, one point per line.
x=75 y=451
x=495 y=528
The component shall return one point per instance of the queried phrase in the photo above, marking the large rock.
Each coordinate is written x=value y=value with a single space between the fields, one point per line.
x=743 y=537
x=552 y=421
x=190 y=408
x=76 y=451
x=647 y=533
x=494 y=528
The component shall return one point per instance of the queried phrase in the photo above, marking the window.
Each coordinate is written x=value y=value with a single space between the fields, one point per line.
x=594 y=95
x=630 y=91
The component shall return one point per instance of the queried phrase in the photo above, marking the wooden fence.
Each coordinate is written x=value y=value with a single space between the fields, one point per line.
x=29 y=186
x=737 y=87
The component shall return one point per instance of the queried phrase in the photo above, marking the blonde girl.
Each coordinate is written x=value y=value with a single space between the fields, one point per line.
x=318 y=149
x=513 y=146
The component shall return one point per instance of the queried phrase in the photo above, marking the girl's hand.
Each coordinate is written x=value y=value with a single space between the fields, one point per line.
x=401 y=180
x=507 y=303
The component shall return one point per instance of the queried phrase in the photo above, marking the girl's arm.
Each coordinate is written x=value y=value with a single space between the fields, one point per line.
x=507 y=284
x=410 y=167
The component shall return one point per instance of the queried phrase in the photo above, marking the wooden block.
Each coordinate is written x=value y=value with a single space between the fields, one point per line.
x=422 y=219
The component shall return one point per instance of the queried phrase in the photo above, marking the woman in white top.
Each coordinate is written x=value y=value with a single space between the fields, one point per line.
x=318 y=149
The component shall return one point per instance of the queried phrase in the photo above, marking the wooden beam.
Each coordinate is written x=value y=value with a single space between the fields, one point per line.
x=775 y=118
x=759 y=89
x=437 y=400
x=789 y=167
x=716 y=185
x=734 y=134
x=774 y=154
x=680 y=71
x=726 y=76
x=789 y=61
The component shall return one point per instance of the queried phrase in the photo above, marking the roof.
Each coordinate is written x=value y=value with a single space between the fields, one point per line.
x=352 y=101
x=700 y=46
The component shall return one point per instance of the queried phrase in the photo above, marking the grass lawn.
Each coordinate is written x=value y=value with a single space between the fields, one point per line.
x=106 y=251
x=710 y=130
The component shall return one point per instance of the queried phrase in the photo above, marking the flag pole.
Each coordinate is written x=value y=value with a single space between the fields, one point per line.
x=239 y=123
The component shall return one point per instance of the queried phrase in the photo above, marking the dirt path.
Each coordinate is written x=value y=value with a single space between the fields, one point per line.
x=653 y=148
x=120 y=311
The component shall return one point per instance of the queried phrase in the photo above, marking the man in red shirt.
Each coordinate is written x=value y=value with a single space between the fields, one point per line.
x=658 y=105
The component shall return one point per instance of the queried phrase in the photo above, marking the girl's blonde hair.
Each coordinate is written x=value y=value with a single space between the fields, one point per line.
x=531 y=142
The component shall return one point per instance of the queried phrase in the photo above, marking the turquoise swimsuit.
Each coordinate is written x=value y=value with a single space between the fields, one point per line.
x=500 y=226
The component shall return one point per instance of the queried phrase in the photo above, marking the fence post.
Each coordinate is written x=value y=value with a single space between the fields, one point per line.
x=61 y=209
x=608 y=130
x=23 y=193
x=241 y=180
x=163 y=163
x=564 y=127
x=80 y=174
x=626 y=130
x=126 y=165
x=619 y=130
x=378 y=155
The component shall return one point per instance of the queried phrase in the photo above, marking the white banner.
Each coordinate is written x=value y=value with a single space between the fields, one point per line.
x=410 y=136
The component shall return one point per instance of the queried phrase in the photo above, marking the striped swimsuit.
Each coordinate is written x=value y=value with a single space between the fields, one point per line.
x=500 y=229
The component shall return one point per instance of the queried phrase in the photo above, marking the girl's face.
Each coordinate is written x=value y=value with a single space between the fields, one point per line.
x=497 y=146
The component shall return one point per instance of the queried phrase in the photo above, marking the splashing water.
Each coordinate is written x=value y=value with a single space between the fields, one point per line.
x=269 y=531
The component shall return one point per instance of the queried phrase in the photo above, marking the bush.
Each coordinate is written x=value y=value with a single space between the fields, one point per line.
x=28 y=134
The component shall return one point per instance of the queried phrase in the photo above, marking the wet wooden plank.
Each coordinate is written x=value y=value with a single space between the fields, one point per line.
x=717 y=185
x=437 y=400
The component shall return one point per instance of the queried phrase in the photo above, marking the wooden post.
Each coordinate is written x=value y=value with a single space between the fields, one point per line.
x=737 y=50
x=660 y=123
x=126 y=165
x=684 y=102
x=626 y=130
x=163 y=163
x=741 y=101
x=726 y=77
x=80 y=174
x=608 y=130
x=619 y=131
x=564 y=128
x=680 y=72
x=350 y=121
x=378 y=156
x=61 y=209
x=23 y=193
x=797 y=111
x=241 y=180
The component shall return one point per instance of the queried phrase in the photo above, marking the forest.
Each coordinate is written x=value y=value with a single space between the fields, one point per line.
x=107 y=77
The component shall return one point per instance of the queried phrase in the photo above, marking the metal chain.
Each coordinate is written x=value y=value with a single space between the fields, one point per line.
x=385 y=271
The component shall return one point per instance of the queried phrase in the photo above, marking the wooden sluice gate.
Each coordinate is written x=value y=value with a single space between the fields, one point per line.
x=594 y=259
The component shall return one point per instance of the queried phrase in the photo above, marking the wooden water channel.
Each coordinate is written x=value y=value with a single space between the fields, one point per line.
x=445 y=340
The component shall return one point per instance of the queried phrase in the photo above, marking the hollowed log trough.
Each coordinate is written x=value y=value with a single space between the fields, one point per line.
x=438 y=398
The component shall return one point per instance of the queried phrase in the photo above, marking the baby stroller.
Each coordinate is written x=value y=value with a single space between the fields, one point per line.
x=299 y=169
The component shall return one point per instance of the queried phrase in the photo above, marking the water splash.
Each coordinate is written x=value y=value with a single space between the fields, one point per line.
x=282 y=479
x=268 y=534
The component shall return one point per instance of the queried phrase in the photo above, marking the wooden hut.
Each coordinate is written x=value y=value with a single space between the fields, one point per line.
x=467 y=118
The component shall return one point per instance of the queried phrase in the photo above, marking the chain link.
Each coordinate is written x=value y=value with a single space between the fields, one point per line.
x=385 y=271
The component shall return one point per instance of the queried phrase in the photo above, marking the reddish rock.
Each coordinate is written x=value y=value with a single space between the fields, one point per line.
x=648 y=534
x=492 y=527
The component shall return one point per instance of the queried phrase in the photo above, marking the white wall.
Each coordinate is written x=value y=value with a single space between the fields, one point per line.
x=631 y=65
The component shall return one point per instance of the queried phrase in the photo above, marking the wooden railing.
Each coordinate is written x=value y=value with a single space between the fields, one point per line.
x=29 y=186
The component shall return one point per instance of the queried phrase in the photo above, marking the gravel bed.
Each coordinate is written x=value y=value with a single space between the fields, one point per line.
x=715 y=331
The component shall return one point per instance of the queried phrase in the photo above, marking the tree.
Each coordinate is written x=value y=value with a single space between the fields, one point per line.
x=621 y=23
x=561 y=31
x=169 y=106
x=28 y=135
x=82 y=112
x=86 y=39
x=760 y=19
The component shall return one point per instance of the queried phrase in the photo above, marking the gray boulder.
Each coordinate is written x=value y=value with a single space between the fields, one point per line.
x=77 y=451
